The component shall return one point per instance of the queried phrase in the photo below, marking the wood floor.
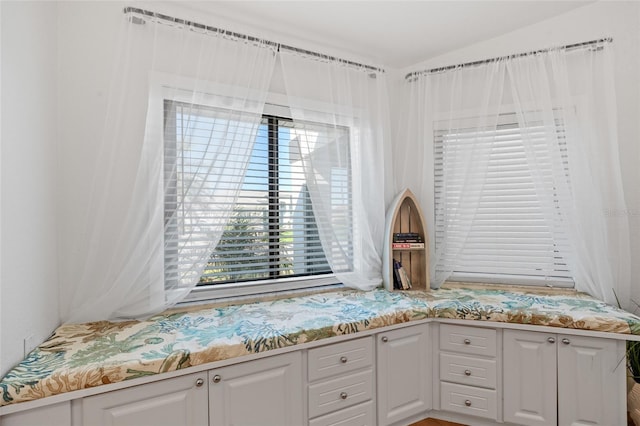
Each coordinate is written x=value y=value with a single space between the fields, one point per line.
x=434 y=422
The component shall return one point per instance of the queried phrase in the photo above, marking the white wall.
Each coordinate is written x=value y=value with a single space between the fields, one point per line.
x=87 y=41
x=28 y=249
x=617 y=19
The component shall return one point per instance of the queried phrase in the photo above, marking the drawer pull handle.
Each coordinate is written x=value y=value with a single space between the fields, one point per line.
x=467 y=372
x=551 y=340
x=343 y=395
x=199 y=382
x=385 y=339
x=467 y=403
x=217 y=378
x=343 y=359
x=566 y=341
x=467 y=341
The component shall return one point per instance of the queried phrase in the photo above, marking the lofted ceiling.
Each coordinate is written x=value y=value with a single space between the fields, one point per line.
x=393 y=33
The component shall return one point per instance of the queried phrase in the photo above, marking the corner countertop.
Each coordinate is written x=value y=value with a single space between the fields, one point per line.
x=80 y=356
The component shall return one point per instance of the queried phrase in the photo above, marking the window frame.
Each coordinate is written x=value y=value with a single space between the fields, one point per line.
x=436 y=133
x=168 y=87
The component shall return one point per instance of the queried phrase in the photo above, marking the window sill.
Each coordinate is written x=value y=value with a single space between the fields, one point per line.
x=226 y=294
x=536 y=289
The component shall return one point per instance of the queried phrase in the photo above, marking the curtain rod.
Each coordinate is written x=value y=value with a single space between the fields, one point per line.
x=415 y=74
x=278 y=46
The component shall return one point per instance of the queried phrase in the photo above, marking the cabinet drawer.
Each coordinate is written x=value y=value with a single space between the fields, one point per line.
x=336 y=394
x=360 y=415
x=340 y=358
x=469 y=400
x=467 y=370
x=468 y=340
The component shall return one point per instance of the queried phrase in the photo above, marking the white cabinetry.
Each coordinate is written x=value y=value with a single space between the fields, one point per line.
x=552 y=379
x=341 y=383
x=468 y=370
x=265 y=392
x=261 y=392
x=177 y=401
x=538 y=378
x=404 y=373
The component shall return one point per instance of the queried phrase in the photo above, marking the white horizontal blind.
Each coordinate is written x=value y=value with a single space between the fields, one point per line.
x=271 y=231
x=506 y=237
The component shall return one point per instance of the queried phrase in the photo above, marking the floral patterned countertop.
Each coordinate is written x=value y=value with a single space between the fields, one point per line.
x=79 y=356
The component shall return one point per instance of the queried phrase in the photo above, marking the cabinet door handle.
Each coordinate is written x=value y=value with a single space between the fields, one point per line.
x=199 y=382
x=216 y=378
x=385 y=339
x=467 y=372
x=343 y=359
x=551 y=339
x=566 y=341
x=467 y=341
x=467 y=403
x=343 y=395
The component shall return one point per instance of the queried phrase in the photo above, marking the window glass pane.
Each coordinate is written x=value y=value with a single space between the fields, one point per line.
x=301 y=242
x=243 y=251
x=198 y=163
x=271 y=232
x=327 y=151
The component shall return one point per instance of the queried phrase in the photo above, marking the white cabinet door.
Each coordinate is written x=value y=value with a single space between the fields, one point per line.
x=591 y=381
x=50 y=415
x=404 y=373
x=265 y=392
x=170 y=402
x=530 y=381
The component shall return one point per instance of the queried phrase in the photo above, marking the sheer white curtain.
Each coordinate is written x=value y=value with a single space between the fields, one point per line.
x=582 y=83
x=561 y=106
x=450 y=103
x=145 y=217
x=343 y=96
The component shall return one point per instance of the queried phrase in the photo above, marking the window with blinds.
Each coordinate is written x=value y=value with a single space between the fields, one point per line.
x=271 y=231
x=507 y=233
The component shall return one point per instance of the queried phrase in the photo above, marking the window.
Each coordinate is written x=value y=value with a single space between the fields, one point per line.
x=270 y=233
x=508 y=233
